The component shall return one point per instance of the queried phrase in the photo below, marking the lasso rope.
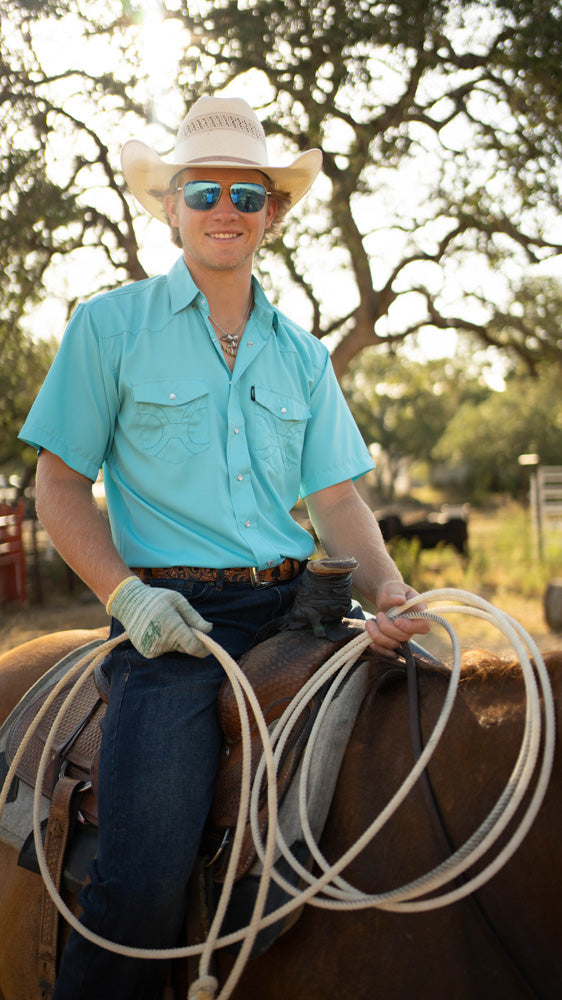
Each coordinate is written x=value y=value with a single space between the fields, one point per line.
x=330 y=890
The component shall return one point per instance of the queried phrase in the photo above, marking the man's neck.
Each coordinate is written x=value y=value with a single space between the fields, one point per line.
x=228 y=293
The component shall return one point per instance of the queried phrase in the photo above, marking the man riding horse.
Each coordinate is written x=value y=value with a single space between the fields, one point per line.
x=210 y=413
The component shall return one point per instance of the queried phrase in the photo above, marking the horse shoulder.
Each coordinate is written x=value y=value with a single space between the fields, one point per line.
x=22 y=666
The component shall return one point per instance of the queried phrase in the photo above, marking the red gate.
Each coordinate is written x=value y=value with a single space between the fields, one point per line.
x=12 y=555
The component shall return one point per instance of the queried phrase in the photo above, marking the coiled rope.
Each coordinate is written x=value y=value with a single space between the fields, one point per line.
x=330 y=890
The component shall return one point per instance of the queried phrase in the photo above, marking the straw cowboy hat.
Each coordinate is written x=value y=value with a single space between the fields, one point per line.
x=217 y=132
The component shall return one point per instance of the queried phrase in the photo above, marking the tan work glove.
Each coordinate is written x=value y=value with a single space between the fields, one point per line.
x=157 y=620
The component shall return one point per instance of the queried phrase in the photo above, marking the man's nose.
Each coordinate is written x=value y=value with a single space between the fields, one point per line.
x=225 y=203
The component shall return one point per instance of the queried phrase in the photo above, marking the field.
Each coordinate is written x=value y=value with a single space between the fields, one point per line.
x=501 y=567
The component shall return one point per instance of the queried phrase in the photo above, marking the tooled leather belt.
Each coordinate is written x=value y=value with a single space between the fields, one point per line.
x=286 y=570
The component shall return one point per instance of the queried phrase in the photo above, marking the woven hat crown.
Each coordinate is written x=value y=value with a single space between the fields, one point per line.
x=234 y=134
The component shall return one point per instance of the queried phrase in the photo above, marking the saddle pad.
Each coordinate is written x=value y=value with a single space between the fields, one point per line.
x=330 y=745
x=16 y=820
x=86 y=705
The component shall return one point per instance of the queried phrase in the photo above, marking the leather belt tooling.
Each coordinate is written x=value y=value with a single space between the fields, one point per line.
x=286 y=570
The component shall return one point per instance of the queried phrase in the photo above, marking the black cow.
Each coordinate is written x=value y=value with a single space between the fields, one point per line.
x=432 y=530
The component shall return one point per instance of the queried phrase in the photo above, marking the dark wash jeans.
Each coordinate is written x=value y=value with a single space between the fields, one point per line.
x=158 y=763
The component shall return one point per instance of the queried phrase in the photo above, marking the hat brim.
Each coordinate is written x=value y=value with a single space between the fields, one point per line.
x=149 y=176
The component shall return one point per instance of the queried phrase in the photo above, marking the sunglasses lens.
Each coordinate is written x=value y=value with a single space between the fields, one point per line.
x=201 y=195
x=204 y=195
x=247 y=197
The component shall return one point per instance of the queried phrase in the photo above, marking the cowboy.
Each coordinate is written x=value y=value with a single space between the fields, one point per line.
x=210 y=413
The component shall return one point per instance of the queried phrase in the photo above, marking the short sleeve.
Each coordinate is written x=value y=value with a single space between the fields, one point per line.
x=334 y=449
x=75 y=410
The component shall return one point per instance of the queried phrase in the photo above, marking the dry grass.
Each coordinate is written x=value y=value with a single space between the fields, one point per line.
x=20 y=623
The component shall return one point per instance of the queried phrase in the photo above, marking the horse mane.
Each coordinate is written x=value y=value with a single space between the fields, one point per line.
x=477 y=665
x=482 y=665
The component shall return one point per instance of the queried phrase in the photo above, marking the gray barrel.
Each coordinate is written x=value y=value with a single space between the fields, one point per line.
x=552 y=603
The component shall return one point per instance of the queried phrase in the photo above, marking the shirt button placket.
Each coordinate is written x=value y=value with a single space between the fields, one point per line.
x=238 y=461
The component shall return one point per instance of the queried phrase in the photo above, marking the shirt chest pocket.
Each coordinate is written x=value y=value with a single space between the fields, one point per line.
x=171 y=418
x=279 y=426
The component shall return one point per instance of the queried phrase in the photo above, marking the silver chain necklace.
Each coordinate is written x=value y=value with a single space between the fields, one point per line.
x=231 y=341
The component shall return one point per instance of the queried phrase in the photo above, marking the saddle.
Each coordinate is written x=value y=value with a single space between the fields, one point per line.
x=286 y=656
x=78 y=741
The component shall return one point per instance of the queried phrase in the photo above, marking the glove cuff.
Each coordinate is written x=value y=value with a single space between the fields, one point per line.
x=117 y=590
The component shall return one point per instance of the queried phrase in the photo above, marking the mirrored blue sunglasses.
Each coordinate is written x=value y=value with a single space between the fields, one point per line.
x=204 y=195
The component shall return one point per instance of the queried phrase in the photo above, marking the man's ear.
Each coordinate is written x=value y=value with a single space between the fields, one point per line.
x=170 y=205
x=271 y=212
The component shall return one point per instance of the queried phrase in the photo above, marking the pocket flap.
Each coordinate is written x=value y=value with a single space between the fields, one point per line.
x=169 y=392
x=281 y=405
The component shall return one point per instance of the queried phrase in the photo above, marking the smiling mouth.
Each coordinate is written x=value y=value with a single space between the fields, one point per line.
x=223 y=236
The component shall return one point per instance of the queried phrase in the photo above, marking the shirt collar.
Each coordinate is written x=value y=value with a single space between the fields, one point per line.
x=266 y=315
x=181 y=285
x=184 y=291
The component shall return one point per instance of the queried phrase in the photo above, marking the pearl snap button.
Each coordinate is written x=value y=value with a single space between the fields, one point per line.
x=172 y=395
x=283 y=409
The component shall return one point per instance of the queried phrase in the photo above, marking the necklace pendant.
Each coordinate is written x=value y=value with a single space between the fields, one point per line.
x=230 y=343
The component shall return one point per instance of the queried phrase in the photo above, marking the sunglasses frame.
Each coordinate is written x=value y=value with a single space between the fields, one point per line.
x=228 y=187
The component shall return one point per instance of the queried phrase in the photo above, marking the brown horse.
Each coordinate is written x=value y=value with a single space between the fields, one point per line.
x=503 y=942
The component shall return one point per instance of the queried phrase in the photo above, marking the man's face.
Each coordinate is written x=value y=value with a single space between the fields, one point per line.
x=222 y=238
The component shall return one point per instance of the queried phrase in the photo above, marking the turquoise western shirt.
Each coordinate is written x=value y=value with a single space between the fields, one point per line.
x=201 y=466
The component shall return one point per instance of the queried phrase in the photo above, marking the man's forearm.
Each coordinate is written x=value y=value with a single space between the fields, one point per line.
x=77 y=527
x=346 y=527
